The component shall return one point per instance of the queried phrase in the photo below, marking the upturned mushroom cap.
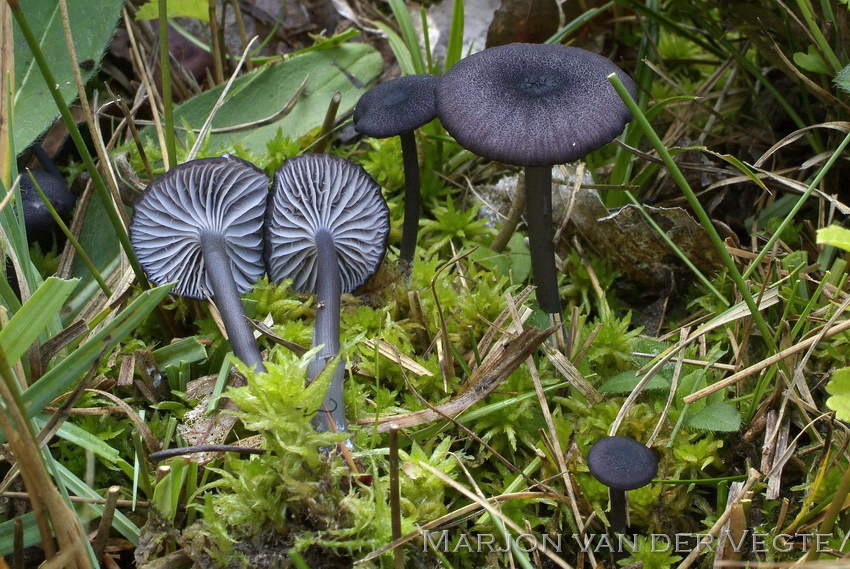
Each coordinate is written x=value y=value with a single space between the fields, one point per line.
x=532 y=104
x=396 y=106
x=622 y=463
x=315 y=192
x=223 y=196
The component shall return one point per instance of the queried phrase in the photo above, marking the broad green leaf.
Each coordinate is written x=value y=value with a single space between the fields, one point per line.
x=626 y=381
x=64 y=375
x=92 y=25
x=34 y=316
x=839 y=391
x=715 y=417
x=811 y=61
x=185 y=350
x=82 y=438
x=836 y=236
x=198 y=9
x=265 y=91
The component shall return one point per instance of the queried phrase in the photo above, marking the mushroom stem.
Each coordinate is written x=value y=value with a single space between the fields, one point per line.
x=228 y=301
x=618 y=510
x=541 y=234
x=410 y=227
x=326 y=332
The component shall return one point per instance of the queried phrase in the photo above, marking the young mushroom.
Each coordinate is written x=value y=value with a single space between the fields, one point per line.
x=397 y=108
x=536 y=106
x=326 y=229
x=39 y=223
x=201 y=224
x=621 y=464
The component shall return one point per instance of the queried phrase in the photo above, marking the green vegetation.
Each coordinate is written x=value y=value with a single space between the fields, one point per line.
x=733 y=366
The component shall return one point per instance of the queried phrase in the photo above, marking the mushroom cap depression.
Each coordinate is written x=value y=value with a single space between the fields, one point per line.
x=315 y=192
x=396 y=106
x=211 y=196
x=532 y=104
x=622 y=463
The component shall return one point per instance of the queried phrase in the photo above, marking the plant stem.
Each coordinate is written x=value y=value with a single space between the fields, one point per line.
x=165 y=74
x=326 y=333
x=410 y=228
x=228 y=301
x=697 y=208
x=541 y=234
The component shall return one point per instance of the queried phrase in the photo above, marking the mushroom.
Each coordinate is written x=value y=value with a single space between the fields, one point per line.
x=39 y=223
x=326 y=229
x=621 y=464
x=534 y=106
x=396 y=108
x=201 y=224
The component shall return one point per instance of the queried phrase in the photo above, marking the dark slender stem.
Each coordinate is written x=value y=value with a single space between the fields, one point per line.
x=395 y=498
x=45 y=160
x=618 y=511
x=410 y=228
x=217 y=262
x=326 y=333
x=541 y=234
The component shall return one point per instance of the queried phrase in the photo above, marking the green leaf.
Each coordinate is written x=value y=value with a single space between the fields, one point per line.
x=839 y=391
x=834 y=235
x=263 y=92
x=626 y=381
x=520 y=259
x=715 y=417
x=62 y=377
x=92 y=24
x=186 y=350
x=198 y=9
x=34 y=316
x=7 y=534
x=811 y=61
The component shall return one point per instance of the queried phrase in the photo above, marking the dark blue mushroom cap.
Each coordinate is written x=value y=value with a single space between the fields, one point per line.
x=222 y=196
x=396 y=106
x=622 y=463
x=320 y=192
x=532 y=104
x=39 y=222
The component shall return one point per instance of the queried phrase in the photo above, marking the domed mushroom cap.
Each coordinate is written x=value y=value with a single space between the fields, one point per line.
x=532 y=104
x=224 y=196
x=622 y=463
x=315 y=192
x=396 y=106
x=37 y=217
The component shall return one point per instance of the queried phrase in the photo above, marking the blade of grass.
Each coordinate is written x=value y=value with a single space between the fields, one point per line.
x=34 y=316
x=22 y=441
x=455 y=45
x=797 y=206
x=696 y=206
x=60 y=378
x=408 y=34
x=165 y=74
